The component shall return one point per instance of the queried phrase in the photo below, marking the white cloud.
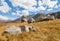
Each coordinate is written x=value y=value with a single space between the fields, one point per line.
x=23 y=3
x=3 y=17
x=49 y=3
x=4 y=8
x=27 y=4
x=40 y=3
x=13 y=13
x=33 y=9
x=25 y=12
x=59 y=5
x=49 y=9
x=56 y=6
x=20 y=13
x=17 y=13
x=42 y=8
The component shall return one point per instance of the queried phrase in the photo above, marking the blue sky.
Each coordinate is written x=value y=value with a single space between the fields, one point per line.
x=11 y=9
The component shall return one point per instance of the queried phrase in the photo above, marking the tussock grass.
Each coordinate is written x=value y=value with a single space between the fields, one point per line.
x=47 y=31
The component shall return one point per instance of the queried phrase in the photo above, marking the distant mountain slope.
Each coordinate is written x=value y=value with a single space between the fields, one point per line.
x=36 y=17
x=56 y=14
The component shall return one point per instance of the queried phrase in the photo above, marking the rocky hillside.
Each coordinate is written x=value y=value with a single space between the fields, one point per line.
x=48 y=31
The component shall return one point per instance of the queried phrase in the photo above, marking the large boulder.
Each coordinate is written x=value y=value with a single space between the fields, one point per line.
x=24 y=19
x=50 y=17
x=24 y=28
x=13 y=30
x=31 y=20
x=45 y=17
x=56 y=14
x=33 y=28
x=28 y=28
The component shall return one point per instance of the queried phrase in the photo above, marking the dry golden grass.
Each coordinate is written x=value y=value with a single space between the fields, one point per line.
x=47 y=31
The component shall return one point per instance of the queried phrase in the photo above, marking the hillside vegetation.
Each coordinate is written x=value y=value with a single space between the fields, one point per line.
x=47 y=31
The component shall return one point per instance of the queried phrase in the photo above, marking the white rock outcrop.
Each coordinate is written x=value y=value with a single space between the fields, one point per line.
x=13 y=30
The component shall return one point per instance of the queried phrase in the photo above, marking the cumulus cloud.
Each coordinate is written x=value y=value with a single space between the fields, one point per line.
x=49 y=3
x=40 y=3
x=23 y=3
x=59 y=5
x=29 y=5
x=20 y=13
x=13 y=13
x=4 y=8
x=33 y=9
x=25 y=12
x=17 y=13
x=49 y=9
x=56 y=6
x=42 y=8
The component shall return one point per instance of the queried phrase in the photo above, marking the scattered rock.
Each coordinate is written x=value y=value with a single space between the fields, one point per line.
x=13 y=30
x=18 y=30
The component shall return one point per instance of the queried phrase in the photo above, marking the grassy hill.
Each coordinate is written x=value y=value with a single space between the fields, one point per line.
x=47 y=31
